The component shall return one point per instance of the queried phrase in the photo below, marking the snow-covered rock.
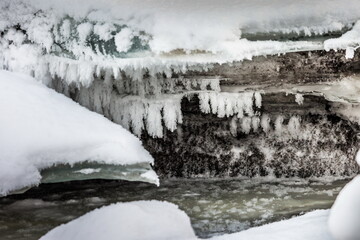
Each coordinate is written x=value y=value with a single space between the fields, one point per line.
x=311 y=226
x=349 y=41
x=344 y=219
x=141 y=220
x=40 y=128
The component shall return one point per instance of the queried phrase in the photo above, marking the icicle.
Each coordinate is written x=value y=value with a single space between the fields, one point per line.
x=204 y=102
x=71 y=74
x=233 y=126
x=221 y=105
x=258 y=99
x=85 y=73
x=153 y=120
x=248 y=98
x=213 y=102
x=215 y=85
x=137 y=113
x=229 y=106
x=279 y=124
x=116 y=72
x=294 y=126
x=170 y=115
x=240 y=107
x=108 y=77
x=265 y=123
x=255 y=122
x=246 y=125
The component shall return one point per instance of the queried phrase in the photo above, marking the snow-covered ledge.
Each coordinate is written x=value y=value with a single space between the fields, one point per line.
x=40 y=128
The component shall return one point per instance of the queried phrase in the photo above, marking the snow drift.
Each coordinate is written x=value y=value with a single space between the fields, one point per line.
x=150 y=220
x=311 y=226
x=141 y=220
x=344 y=219
x=40 y=128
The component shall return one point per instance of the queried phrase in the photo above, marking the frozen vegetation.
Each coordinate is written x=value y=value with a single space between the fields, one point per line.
x=41 y=128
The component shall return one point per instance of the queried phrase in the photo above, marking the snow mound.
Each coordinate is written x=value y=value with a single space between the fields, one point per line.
x=142 y=220
x=41 y=128
x=344 y=219
x=311 y=226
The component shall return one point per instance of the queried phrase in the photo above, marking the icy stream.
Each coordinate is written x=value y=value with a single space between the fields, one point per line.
x=214 y=206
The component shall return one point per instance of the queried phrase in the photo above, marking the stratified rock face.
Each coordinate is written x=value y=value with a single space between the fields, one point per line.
x=252 y=118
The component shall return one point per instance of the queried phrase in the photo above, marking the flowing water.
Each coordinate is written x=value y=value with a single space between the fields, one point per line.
x=214 y=206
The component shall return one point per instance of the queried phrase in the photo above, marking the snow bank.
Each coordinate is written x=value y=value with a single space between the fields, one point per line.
x=40 y=128
x=142 y=220
x=344 y=219
x=311 y=226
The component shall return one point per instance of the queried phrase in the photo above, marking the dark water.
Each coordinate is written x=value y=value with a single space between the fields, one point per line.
x=214 y=206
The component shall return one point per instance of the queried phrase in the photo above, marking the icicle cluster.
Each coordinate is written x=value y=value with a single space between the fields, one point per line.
x=137 y=114
x=229 y=104
x=269 y=126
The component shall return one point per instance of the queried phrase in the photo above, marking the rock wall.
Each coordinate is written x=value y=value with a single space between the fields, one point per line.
x=284 y=137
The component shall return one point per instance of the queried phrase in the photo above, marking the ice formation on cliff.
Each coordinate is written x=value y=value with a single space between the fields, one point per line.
x=141 y=49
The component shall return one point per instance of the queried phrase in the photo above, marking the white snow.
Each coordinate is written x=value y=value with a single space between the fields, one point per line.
x=154 y=220
x=229 y=104
x=89 y=170
x=123 y=40
x=84 y=30
x=141 y=220
x=310 y=226
x=104 y=31
x=41 y=128
x=344 y=217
